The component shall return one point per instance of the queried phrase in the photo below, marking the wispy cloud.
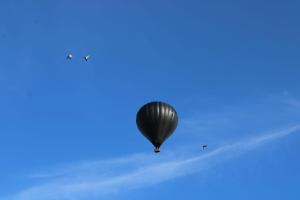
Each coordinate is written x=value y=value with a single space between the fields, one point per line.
x=292 y=102
x=97 y=178
x=286 y=99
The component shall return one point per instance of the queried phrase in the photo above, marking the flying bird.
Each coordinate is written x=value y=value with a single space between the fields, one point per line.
x=204 y=146
x=69 y=56
x=86 y=57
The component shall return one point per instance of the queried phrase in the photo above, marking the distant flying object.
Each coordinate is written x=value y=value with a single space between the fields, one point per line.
x=69 y=56
x=86 y=57
x=157 y=121
x=204 y=146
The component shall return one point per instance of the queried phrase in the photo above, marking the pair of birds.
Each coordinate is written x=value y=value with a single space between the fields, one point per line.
x=70 y=56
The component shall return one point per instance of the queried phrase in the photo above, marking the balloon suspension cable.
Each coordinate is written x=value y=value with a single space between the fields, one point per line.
x=156 y=149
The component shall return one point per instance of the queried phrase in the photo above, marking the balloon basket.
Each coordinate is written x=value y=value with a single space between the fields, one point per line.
x=156 y=149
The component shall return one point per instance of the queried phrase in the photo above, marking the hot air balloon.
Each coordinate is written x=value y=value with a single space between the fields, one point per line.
x=157 y=121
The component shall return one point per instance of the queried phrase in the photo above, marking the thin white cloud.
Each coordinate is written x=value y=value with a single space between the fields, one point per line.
x=97 y=178
x=292 y=102
x=287 y=99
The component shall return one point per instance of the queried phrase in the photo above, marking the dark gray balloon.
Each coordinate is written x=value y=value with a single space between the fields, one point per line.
x=157 y=121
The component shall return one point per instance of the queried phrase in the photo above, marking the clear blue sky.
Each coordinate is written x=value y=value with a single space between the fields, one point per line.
x=232 y=71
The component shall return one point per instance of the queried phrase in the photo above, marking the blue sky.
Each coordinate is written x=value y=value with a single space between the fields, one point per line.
x=68 y=127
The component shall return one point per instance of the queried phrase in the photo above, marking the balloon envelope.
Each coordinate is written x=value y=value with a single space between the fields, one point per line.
x=157 y=121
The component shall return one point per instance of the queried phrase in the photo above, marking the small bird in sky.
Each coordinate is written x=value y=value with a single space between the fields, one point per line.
x=69 y=56
x=204 y=146
x=86 y=57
